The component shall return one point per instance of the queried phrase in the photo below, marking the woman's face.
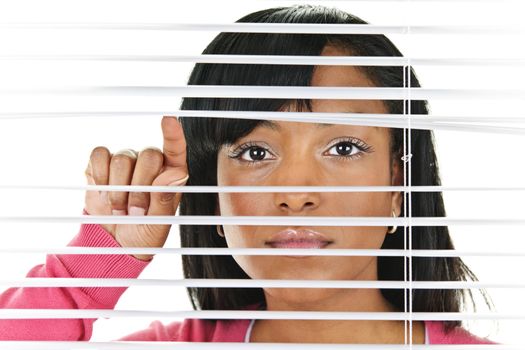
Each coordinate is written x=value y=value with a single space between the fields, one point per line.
x=309 y=154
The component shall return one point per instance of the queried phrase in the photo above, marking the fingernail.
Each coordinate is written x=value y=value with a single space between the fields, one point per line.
x=118 y=212
x=137 y=211
x=179 y=181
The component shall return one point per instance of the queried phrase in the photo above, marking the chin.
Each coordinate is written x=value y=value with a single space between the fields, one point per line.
x=301 y=271
x=304 y=299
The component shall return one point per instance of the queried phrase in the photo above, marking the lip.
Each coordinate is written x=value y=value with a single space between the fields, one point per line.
x=299 y=238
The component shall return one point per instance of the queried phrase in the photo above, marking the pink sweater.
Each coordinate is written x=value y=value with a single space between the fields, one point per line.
x=126 y=266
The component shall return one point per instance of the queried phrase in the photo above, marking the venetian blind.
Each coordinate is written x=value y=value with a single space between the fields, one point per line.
x=78 y=75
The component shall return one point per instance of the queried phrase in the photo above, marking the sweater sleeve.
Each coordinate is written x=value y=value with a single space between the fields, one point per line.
x=69 y=266
x=157 y=331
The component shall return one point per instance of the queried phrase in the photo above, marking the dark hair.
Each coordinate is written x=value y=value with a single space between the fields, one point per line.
x=205 y=136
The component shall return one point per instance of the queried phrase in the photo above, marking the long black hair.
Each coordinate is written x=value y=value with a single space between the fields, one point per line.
x=204 y=137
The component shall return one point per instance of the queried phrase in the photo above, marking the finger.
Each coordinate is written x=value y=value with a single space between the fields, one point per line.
x=98 y=167
x=91 y=196
x=174 y=146
x=148 y=166
x=121 y=169
x=96 y=205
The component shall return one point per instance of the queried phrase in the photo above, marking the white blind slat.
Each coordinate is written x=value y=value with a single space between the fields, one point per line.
x=295 y=28
x=263 y=220
x=54 y=345
x=261 y=189
x=281 y=59
x=253 y=283
x=308 y=117
x=263 y=315
x=264 y=251
x=222 y=91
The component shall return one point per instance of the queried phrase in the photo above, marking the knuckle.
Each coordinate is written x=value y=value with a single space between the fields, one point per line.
x=117 y=200
x=99 y=152
x=128 y=152
x=175 y=151
x=151 y=156
x=166 y=198
x=122 y=160
x=138 y=199
x=151 y=149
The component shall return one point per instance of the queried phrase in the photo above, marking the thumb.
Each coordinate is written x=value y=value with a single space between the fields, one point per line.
x=175 y=170
x=166 y=203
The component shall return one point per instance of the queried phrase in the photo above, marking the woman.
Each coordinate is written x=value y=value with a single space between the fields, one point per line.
x=208 y=151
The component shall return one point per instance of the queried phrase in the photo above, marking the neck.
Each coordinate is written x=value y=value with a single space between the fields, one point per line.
x=334 y=331
x=337 y=331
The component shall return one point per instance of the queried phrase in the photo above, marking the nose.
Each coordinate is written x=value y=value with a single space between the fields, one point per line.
x=297 y=201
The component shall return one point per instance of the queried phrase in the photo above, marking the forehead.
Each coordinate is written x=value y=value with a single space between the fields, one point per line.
x=334 y=76
x=339 y=75
x=343 y=76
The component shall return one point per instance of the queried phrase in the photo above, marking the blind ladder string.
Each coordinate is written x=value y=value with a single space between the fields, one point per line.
x=409 y=159
x=409 y=163
x=406 y=174
x=404 y=204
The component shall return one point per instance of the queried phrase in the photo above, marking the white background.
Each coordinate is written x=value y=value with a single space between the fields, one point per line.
x=55 y=151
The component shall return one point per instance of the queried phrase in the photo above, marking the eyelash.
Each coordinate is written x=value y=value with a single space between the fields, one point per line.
x=239 y=151
x=360 y=145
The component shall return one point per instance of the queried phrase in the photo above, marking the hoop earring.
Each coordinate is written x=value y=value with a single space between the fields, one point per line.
x=219 y=231
x=394 y=228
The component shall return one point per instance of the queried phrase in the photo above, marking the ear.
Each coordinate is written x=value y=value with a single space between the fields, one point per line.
x=397 y=180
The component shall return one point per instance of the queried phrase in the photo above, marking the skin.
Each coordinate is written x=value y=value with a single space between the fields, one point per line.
x=302 y=154
x=299 y=154
x=151 y=166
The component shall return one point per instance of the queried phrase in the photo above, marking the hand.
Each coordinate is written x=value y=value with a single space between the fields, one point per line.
x=149 y=167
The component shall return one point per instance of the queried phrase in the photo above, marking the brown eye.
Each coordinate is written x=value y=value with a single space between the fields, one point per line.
x=255 y=153
x=344 y=149
x=251 y=153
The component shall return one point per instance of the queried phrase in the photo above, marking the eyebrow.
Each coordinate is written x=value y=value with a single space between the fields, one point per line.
x=274 y=126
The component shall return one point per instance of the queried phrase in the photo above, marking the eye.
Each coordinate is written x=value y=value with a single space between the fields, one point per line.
x=250 y=153
x=254 y=153
x=349 y=149
x=345 y=148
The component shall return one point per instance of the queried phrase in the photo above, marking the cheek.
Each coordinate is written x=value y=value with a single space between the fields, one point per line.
x=358 y=204
x=243 y=203
x=363 y=204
